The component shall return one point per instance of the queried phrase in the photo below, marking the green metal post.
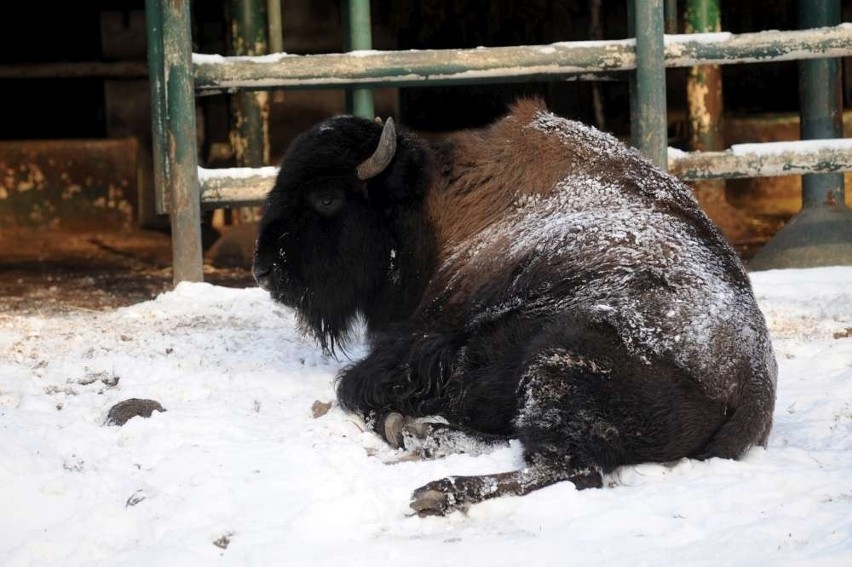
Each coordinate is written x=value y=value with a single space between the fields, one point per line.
x=820 y=103
x=651 y=134
x=821 y=233
x=706 y=111
x=157 y=86
x=358 y=36
x=671 y=16
x=181 y=162
x=704 y=82
x=276 y=33
x=250 y=132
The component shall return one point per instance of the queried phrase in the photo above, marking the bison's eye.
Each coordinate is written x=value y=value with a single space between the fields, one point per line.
x=326 y=201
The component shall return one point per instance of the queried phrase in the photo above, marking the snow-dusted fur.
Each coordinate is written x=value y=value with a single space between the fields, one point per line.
x=535 y=279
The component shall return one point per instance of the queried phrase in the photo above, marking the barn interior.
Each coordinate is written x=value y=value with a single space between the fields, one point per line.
x=79 y=228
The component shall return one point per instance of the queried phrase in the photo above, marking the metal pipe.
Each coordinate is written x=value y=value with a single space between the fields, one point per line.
x=358 y=36
x=651 y=136
x=790 y=158
x=249 y=128
x=237 y=186
x=820 y=103
x=181 y=164
x=671 y=16
x=76 y=70
x=157 y=87
x=520 y=63
x=821 y=233
x=704 y=82
x=705 y=112
x=276 y=27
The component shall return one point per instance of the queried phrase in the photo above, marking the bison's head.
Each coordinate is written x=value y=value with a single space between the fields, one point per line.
x=328 y=238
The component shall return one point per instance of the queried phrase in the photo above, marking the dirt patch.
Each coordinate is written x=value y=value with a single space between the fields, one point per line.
x=54 y=271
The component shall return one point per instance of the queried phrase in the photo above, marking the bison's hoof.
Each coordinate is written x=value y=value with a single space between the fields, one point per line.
x=438 y=498
x=392 y=429
x=399 y=431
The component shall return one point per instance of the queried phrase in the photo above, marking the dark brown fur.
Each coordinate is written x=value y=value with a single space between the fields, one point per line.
x=535 y=280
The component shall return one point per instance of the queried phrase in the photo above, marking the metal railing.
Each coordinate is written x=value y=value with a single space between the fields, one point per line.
x=178 y=76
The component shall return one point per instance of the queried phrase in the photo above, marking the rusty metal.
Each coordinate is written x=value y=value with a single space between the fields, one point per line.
x=671 y=16
x=181 y=164
x=275 y=26
x=651 y=135
x=820 y=105
x=793 y=158
x=505 y=64
x=705 y=110
x=250 y=110
x=235 y=186
x=68 y=183
x=704 y=82
x=157 y=87
x=76 y=70
x=821 y=233
x=574 y=60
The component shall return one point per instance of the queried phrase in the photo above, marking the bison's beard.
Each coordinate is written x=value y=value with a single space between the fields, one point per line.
x=331 y=325
x=327 y=307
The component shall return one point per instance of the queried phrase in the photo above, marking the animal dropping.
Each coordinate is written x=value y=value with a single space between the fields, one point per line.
x=535 y=280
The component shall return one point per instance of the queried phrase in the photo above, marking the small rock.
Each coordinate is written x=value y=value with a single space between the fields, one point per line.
x=223 y=541
x=120 y=413
x=319 y=409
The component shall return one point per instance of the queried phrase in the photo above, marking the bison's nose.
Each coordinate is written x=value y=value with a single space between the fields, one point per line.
x=262 y=275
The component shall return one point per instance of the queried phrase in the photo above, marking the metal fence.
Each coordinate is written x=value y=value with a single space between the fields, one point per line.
x=178 y=76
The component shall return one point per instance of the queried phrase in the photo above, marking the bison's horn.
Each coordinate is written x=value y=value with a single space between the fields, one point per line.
x=381 y=158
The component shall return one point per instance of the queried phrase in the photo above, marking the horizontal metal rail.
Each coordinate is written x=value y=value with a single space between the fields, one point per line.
x=215 y=73
x=75 y=70
x=235 y=186
x=766 y=159
x=240 y=186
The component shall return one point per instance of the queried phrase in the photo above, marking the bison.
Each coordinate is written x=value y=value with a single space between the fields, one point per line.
x=535 y=279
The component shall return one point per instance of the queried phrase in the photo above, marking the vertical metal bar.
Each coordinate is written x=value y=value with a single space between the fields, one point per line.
x=704 y=82
x=249 y=132
x=358 y=36
x=156 y=83
x=671 y=16
x=705 y=113
x=820 y=103
x=181 y=159
x=821 y=233
x=633 y=91
x=276 y=27
x=651 y=136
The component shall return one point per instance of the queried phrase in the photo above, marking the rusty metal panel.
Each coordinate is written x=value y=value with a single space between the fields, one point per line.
x=68 y=183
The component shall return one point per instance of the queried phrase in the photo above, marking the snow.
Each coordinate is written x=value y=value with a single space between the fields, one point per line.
x=206 y=174
x=773 y=148
x=238 y=471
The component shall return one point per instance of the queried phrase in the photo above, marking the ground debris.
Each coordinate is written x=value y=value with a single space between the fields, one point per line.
x=122 y=412
x=319 y=409
x=844 y=334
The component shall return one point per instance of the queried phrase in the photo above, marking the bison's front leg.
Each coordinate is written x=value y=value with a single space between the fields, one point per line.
x=406 y=373
x=443 y=496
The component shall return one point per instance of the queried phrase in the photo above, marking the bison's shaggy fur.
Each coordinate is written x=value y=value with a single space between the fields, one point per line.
x=535 y=279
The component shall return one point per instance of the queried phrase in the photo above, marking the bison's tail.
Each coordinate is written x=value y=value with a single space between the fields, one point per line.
x=750 y=423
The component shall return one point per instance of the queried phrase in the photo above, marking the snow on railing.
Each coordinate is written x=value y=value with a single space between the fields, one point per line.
x=237 y=186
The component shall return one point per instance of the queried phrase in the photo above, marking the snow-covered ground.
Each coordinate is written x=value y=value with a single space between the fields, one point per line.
x=238 y=471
